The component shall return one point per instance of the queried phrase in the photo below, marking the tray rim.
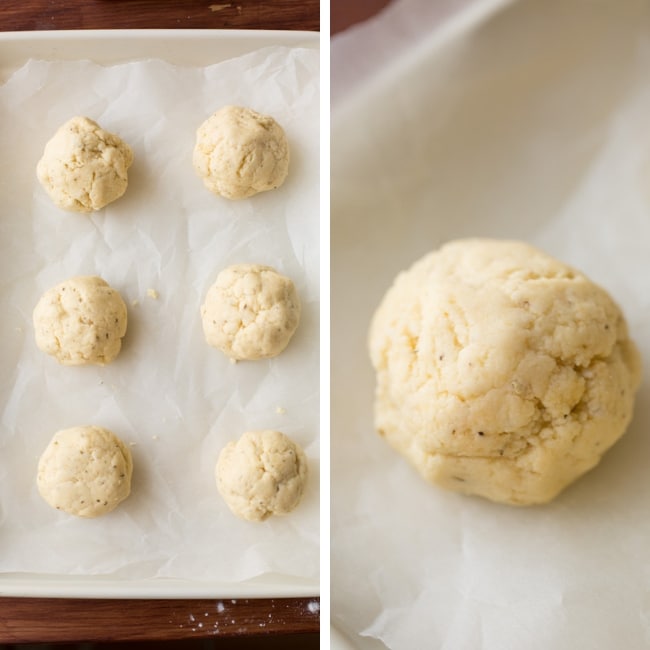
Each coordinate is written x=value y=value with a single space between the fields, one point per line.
x=30 y=585
x=16 y=47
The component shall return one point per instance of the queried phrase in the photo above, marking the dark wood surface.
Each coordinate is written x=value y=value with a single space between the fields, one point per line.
x=346 y=13
x=20 y=15
x=266 y=623
x=31 y=620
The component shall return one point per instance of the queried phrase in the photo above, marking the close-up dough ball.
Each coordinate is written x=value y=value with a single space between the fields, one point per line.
x=85 y=471
x=262 y=474
x=501 y=372
x=84 y=167
x=250 y=312
x=80 y=321
x=239 y=153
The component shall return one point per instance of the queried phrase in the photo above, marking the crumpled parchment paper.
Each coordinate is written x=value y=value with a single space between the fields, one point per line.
x=176 y=401
x=533 y=126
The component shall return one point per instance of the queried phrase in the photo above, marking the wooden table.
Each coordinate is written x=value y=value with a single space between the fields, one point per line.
x=18 y=15
x=24 y=620
x=267 y=623
x=345 y=13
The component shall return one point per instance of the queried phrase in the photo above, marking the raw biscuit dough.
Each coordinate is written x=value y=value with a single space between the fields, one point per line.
x=80 y=321
x=501 y=371
x=85 y=471
x=239 y=153
x=250 y=312
x=84 y=167
x=261 y=474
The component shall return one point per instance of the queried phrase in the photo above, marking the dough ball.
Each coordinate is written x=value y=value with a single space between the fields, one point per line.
x=80 y=321
x=85 y=471
x=501 y=371
x=261 y=474
x=83 y=167
x=239 y=153
x=250 y=312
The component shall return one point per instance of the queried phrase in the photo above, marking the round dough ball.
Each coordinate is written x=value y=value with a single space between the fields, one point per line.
x=80 y=321
x=84 y=167
x=85 y=471
x=501 y=371
x=250 y=312
x=239 y=153
x=262 y=474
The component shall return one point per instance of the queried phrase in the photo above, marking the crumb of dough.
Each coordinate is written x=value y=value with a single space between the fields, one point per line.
x=262 y=474
x=153 y=294
x=85 y=471
x=240 y=152
x=500 y=371
x=84 y=167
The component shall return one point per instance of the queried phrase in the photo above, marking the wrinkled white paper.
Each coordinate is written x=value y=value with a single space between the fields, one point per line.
x=176 y=401
x=535 y=127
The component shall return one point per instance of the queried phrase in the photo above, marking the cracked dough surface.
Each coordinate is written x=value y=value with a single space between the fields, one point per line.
x=261 y=474
x=501 y=371
x=85 y=471
x=84 y=167
x=240 y=152
x=250 y=312
x=80 y=321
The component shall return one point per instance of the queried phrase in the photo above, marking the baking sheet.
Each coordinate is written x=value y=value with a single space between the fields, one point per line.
x=173 y=399
x=533 y=126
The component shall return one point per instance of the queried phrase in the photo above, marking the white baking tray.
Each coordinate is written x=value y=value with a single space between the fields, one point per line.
x=179 y=47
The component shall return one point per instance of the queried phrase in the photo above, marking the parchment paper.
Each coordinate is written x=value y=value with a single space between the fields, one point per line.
x=169 y=395
x=533 y=126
